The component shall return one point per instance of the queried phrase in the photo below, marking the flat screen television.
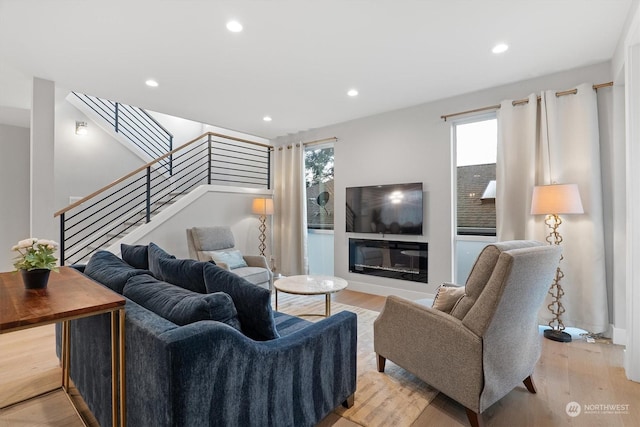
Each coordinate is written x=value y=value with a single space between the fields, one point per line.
x=385 y=209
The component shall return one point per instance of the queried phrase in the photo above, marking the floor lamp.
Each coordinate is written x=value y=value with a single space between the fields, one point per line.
x=553 y=200
x=262 y=207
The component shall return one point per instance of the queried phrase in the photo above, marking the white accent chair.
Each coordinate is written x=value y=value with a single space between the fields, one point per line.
x=218 y=244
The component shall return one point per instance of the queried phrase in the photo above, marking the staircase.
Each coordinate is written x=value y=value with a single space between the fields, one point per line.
x=102 y=218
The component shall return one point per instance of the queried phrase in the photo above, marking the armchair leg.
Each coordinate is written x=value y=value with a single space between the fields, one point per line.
x=381 y=361
x=475 y=419
x=528 y=383
x=348 y=403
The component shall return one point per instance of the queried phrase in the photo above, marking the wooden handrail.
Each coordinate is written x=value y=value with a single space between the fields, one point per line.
x=153 y=162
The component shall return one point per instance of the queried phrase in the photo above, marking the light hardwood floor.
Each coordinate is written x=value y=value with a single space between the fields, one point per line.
x=589 y=374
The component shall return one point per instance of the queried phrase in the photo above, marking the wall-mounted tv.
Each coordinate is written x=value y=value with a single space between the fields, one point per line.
x=385 y=209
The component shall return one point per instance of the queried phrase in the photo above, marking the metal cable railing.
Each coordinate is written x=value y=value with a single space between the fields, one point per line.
x=107 y=215
x=135 y=124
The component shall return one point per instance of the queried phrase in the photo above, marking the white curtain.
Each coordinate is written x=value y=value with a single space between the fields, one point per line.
x=557 y=141
x=290 y=216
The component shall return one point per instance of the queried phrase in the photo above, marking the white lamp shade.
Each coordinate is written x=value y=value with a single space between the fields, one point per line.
x=262 y=206
x=556 y=199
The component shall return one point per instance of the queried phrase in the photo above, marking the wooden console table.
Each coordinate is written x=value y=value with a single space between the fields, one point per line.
x=69 y=295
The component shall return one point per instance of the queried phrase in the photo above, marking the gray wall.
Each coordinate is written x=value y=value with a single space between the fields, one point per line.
x=414 y=144
x=14 y=191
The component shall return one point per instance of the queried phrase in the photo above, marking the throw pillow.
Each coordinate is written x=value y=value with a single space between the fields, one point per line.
x=111 y=271
x=186 y=273
x=180 y=305
x=447 y=297
x=135 y=255
x=252 y=302
x=232 y=257
x=155 y=253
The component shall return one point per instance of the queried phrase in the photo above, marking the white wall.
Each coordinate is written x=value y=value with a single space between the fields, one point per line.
x=42 y=147
x=628 y=59
x=183 y=130
x=411 y=145
x=14 y=190
x=85 y=163
x=208 y=205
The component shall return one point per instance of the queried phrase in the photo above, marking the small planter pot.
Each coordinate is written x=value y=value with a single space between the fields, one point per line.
x=35 y=279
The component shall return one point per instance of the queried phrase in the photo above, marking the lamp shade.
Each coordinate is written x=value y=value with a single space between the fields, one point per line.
x=556 y=199
x=262 y=206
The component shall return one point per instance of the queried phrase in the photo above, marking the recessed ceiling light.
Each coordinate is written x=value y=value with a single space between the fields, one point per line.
x=267 y=118
x=234 y=26
x=352 y=92
x=151 y=83
x=500 y=48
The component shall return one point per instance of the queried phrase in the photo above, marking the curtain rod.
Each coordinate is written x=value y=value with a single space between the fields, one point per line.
x=305 y=144
x=520 y=101
x=319 y=141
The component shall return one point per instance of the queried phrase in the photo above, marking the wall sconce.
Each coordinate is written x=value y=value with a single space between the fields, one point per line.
x=81 y=128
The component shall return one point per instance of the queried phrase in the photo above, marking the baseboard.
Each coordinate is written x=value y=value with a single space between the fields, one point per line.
x=369 y=288
x=619 y=335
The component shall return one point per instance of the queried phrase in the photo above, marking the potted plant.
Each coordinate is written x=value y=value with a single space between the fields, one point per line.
x=35 y=260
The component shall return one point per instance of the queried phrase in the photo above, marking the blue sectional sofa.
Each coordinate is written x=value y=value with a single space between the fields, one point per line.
x=204 y=348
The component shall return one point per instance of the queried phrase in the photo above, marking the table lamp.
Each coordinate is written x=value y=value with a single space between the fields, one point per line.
x=263 y=207
x=553 y=200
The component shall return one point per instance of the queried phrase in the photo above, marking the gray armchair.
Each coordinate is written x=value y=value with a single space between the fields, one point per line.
x=217 y=244
x=489 y=343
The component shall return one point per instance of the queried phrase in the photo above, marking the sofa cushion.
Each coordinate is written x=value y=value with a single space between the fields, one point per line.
x=232 y=257
x=155 y=253
x=111 y=271
x=252 y=302
x=186 y=273
x=178 y=305
x=135 y=255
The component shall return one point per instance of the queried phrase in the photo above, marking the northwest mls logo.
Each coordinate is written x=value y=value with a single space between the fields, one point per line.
x=573 y=409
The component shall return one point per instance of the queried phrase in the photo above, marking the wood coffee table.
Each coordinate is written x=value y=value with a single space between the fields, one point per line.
x=310 y=285
x=68 y=295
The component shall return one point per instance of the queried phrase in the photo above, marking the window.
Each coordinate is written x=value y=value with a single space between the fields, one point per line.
x=476 y=151
x=318 y=168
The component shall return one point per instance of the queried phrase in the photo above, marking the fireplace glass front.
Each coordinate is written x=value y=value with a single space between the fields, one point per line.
x=389 y=258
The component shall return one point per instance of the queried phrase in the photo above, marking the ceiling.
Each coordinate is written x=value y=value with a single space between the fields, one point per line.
x=295 y=60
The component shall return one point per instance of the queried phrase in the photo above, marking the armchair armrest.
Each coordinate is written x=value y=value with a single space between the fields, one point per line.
x=256 y=261
x=430 y=344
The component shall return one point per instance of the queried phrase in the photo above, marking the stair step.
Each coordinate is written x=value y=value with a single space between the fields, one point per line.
x=164 y=202
x=115 y=236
